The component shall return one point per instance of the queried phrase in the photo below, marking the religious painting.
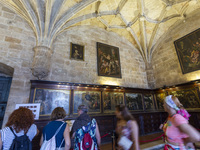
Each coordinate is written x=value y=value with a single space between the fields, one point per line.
x=77 y=52
x=188 y=51
x=92 y=99
x=111 y=99
x=160 y=97
x=134 y=101
x=108 y=61
x=188 y=97
x=148 y=102
x=49 y=99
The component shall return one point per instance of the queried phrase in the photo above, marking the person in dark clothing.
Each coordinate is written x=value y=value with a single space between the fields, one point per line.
x=84 y=119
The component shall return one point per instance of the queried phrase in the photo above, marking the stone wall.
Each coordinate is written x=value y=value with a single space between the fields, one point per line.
x=66 y=69
x=166 y=66
x=17 y=41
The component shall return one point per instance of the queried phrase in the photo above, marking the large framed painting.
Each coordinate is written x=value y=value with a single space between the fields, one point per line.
x=160 y=97
x=188 y=97
x=111 y=99
x=77 y=52
x=92 y=99
x=134 y=101
x=108 y=61
x=188 y=51
x=50 y=99
x=148 y=102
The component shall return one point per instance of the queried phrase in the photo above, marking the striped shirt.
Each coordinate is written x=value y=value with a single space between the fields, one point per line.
x=7 y=136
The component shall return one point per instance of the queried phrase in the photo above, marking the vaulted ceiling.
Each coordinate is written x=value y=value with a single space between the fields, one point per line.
x=142 y=22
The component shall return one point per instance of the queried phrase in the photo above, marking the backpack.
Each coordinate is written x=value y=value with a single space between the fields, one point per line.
x=51 y=143
x=20 y=142
x=87 y=142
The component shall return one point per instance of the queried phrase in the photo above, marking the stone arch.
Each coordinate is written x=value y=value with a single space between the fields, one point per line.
x=6 y=70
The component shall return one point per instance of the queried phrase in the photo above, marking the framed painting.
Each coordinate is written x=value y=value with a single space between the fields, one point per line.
x=77 y=52
x=148 y=102
x=134 y=101
x=50 y=99
x=160 y=97
x=111 y=99
x=187 y=49
x=108 y=61
x=188 y=97
x=92 y=99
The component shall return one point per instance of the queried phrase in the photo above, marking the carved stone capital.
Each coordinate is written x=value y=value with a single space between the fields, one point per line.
x=41 y=62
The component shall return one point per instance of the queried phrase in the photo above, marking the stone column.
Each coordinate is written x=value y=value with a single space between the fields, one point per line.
x=41 y=62
x=150 y=76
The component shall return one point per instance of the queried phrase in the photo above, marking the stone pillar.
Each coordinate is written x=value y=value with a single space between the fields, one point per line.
x=150 y=76
x=41 y=62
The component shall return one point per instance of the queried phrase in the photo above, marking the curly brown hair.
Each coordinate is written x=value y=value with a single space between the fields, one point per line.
x=21 y=119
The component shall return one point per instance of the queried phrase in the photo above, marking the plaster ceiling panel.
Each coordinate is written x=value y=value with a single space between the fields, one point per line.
x=153 y=8
x=129 y=11
x=192 y=7
x=109 y=5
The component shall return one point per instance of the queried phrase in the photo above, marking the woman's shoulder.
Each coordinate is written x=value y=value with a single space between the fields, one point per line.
x=178 y=119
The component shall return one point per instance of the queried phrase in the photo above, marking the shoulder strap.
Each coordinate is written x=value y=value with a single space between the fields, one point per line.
x=59 y=129
x=12 y=131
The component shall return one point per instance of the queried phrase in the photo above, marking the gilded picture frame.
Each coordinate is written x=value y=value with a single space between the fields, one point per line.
x=111 y=99
x=50 y=99
x=92 y=99
x=134 y=101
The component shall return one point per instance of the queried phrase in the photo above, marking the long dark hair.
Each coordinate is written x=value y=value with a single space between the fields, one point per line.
x=124 y=112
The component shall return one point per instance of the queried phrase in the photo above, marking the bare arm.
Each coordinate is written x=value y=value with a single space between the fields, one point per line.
x=1 y=143
x=194 y=135
x=135 y=134
x=41 y=140
x=67 y=138
x=98 y=135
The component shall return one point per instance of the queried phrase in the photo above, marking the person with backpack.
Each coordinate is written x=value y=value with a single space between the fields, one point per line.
x=19 y=130
x=85 y=131
x=55 y=135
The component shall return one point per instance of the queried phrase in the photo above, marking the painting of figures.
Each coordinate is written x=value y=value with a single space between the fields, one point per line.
x=160 y=97
x=188 y=51
x=188 y=97
x=50 y=99
x=111 y=99
x=148 y=102
x=134 y=101
x=108 y=61
x=92 y=99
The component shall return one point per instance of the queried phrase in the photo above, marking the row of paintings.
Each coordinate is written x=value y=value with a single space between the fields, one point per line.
x=52 y=98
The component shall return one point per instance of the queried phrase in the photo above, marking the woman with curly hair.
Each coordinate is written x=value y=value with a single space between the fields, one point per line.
x=21 y=122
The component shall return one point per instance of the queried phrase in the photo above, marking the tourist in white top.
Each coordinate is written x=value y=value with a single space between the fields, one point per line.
x=23 y=116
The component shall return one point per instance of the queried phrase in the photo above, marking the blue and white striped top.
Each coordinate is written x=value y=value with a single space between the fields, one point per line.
x=7 y=135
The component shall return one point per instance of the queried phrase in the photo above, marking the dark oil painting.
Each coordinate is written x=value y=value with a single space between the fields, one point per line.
x=111 y=99
x=108 y=61
x=148 y=102
x=188 y=97
x=92 y=99
x=134 y=101
x=50 y=99
x=160 y=97
x=77 y=52
x=188 y=51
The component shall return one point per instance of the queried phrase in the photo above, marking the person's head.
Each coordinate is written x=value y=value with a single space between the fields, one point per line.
x=172 y=102
x=122 y=112
x=58 y=113
x=82 y=109
x=21 y=119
